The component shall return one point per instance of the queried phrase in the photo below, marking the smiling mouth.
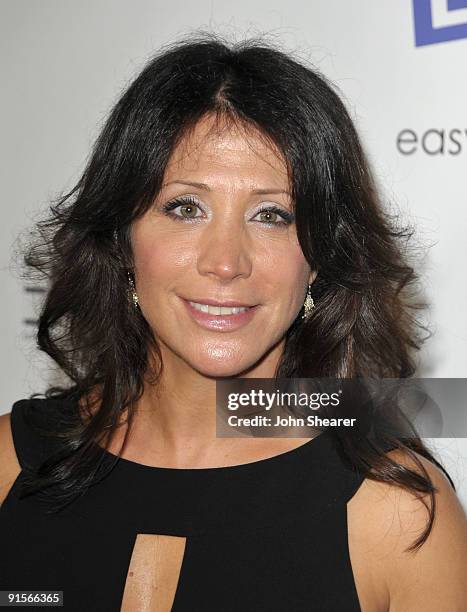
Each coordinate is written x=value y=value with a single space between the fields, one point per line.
x=220 y=318
x=218 y=310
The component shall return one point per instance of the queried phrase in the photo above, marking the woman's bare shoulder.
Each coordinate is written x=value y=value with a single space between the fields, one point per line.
x=385 y=520
x=9 y=465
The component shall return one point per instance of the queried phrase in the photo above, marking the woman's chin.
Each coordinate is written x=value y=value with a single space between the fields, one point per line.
x=221 y=370
x=226 y=367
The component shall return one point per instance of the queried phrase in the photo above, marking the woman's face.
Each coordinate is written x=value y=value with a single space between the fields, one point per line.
x=215 y=245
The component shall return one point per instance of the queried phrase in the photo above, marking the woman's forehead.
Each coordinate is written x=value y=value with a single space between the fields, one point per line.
x=209 y=148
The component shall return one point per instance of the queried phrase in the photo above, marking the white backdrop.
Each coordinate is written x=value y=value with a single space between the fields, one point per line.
x=400 y=67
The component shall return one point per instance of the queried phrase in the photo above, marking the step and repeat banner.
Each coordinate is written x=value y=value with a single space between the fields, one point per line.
x=400 y=68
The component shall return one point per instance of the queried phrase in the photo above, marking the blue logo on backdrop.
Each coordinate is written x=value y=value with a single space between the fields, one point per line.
x=428 y=32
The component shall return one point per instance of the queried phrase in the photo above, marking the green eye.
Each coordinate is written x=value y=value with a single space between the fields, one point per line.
x=287 y=217
x=191 y=210
x=268 y=213
x=187 y=204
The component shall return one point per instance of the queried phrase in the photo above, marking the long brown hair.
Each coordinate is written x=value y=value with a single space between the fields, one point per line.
x=364 y=322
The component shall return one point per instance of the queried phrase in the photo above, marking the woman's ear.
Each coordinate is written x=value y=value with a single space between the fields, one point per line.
x=313 y=275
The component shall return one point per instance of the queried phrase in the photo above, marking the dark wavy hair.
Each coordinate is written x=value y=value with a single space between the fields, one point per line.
x=364 y=323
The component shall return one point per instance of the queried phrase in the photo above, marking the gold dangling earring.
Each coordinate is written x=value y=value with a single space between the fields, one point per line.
x=308 y=304
x=132 y=290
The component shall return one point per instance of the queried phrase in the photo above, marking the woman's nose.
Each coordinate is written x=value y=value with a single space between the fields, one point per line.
x=225 y=252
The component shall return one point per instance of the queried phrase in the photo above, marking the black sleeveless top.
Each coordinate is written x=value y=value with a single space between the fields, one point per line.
x=270 y=535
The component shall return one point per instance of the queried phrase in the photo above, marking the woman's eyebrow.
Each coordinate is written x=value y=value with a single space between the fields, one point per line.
x=263 y=191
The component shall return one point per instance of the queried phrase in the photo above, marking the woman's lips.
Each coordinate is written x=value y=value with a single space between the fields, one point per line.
x=220 y=322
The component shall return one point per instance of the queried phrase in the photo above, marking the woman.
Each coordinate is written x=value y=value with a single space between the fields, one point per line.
x=225 y=176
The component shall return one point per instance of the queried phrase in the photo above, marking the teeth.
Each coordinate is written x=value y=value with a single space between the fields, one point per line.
x=217 y=310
